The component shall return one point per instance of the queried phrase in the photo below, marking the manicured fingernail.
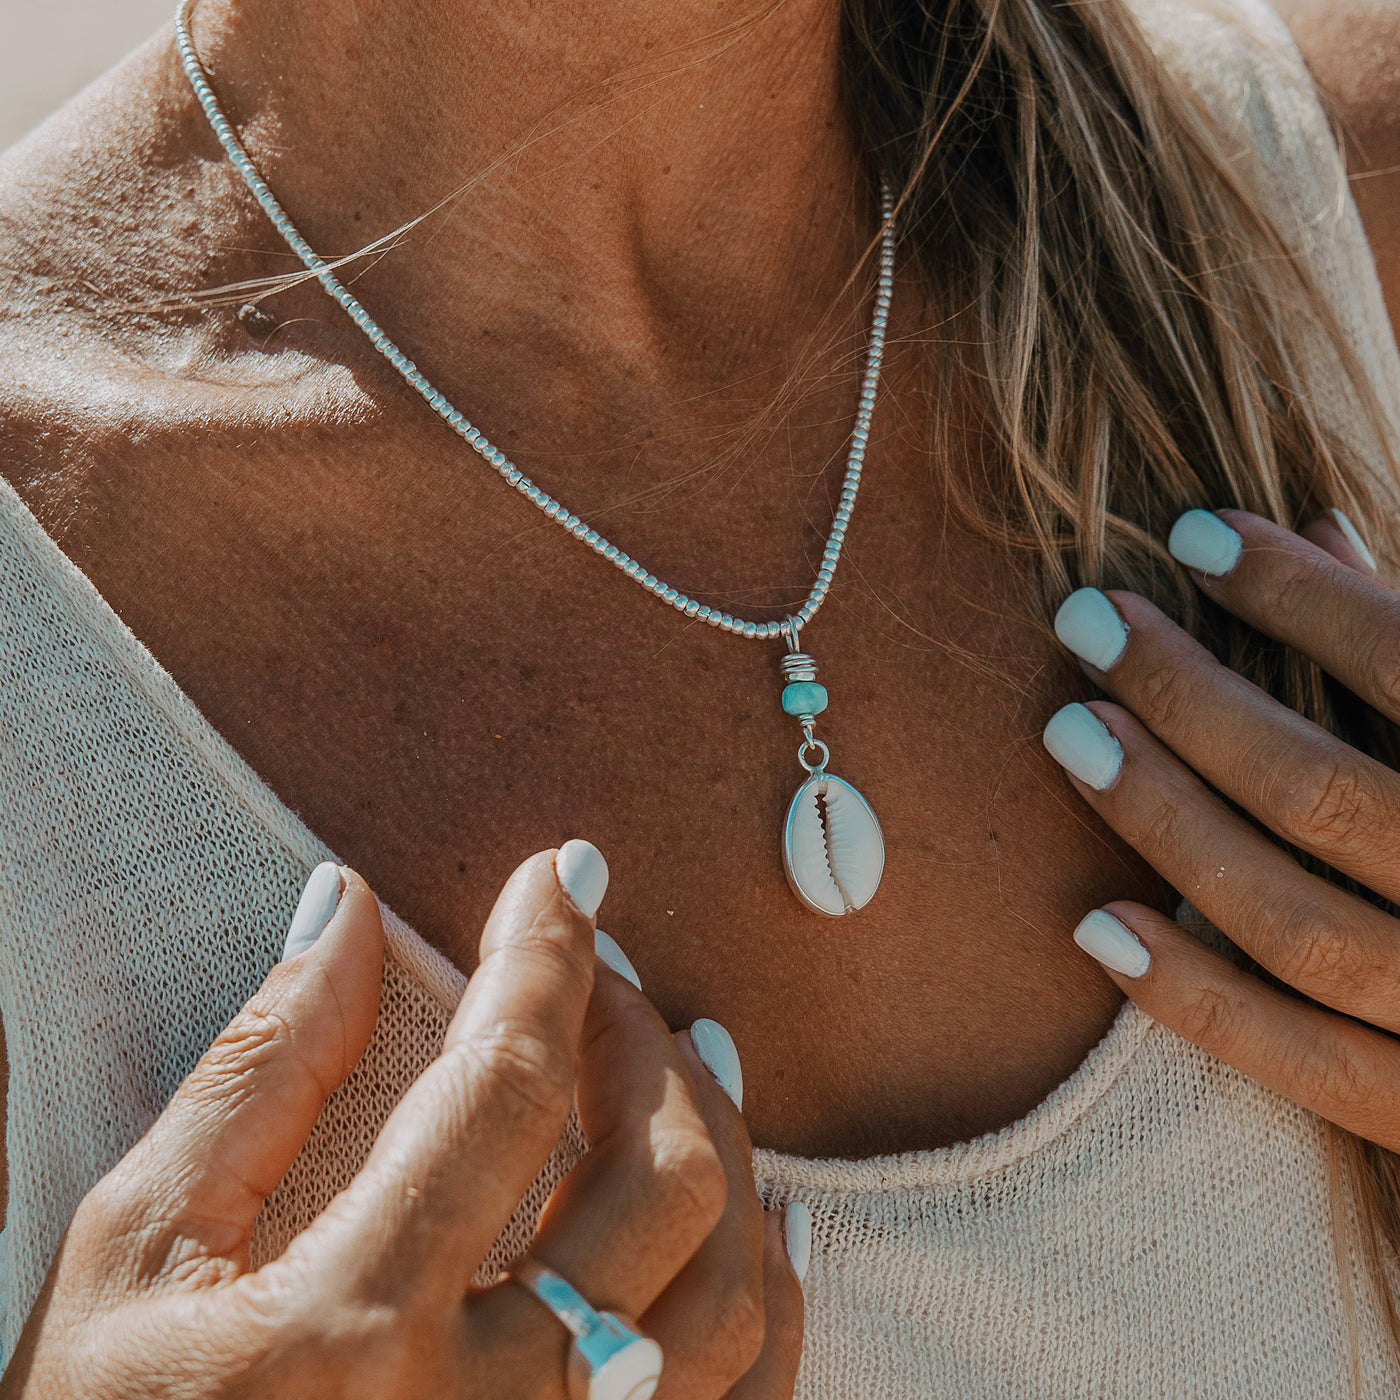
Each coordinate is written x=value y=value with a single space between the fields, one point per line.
x=314 y=910
x=607 y=949
x=1354 y=538
x=715 y=1046
x=1202 y=540
x=1113 y=943
x=583 y=873
x=797 y=1235
x=1089 y=625
x=1079 y=740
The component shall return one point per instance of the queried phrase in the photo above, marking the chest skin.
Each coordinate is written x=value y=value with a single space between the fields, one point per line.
x=439 y=682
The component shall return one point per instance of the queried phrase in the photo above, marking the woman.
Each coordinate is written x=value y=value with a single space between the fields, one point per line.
x=1131 y=290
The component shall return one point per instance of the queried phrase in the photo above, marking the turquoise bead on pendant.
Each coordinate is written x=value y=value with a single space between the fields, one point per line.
x=804 y=698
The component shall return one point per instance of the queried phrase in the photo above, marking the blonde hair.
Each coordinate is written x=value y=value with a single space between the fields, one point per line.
x=1133 y=319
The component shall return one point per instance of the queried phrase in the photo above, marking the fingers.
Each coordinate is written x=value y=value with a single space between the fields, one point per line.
x=1305 y=784
x=711 y=1320
x=195 y=1183
x=661 y=1221
x=1324 y=941
x=1320 y=595
x=774 y=1375
x=653 y=1186
x=1345 y=1072
x=1345 y=619
x=469 y=1137
x=649 y=1195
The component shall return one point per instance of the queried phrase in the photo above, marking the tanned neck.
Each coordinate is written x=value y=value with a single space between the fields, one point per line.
x=634 y=173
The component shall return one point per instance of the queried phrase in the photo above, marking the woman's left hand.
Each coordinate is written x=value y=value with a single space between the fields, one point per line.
x=1186 y=729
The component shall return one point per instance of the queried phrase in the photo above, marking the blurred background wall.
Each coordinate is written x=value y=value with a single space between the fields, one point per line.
x=51 y=48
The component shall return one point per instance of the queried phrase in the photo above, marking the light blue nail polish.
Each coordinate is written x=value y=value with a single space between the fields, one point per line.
x=583 y=874
x=1089 y=625
x=715 y=1046
x=797 y=1235
x=1080 y=741
x=605 y=946
x=1353 y=538
x=1202 y=540
x=317 y=905
x=1113 y=943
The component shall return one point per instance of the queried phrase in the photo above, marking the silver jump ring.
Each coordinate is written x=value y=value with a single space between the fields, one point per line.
x=609 y=1359
x=821 y=763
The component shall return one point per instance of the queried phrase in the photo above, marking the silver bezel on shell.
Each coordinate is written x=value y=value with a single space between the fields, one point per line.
x=817 y=780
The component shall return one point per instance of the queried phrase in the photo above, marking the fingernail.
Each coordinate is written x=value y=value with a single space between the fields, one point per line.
x=1080 y=741
x=1354 y=537
x=797 y=1235
x=1089 y=625
x=317 y=904
x=1202 y=540
x=715 y=1046
x=583 y=874
x=1113 y=943
x=606 y=948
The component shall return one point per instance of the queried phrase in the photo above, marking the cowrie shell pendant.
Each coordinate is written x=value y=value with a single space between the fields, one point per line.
x=833 y=848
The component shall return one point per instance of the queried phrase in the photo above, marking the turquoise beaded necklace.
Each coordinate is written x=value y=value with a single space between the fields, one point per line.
x=833 y=849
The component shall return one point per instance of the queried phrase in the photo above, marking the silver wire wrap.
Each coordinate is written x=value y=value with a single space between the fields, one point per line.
x=798 y=666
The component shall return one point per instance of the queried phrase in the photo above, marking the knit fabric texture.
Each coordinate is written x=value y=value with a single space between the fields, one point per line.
x=1160 y=1226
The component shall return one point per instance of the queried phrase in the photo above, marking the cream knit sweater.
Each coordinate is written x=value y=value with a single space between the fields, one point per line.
x=1158 y=1227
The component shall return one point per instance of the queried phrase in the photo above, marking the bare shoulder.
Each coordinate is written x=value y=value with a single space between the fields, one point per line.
x=116 y=218
x=1352 y=48
x=87 y=242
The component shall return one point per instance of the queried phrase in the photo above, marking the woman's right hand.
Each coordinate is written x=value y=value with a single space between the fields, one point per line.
x=151 y=1293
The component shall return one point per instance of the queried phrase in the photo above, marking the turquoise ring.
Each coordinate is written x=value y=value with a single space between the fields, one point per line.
x=609 y=1358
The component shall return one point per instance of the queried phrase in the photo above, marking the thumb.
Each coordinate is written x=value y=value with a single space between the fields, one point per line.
x=192 y=1187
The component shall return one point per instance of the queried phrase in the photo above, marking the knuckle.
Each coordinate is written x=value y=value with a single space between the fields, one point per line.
x=106 y=1212
x=690 y=1180
x=1379 y=653
x=311 y=1340
x=738 y=1333
x=1160 y=829
x=1311 y=951
x=256 y=1035
x=1332 y=1077
x=1163 y=695
x=1293 y=582
x=1213 y=1020
x=1329 y=805
x=525 y=1068
x=115 y=1236
x=556 y=946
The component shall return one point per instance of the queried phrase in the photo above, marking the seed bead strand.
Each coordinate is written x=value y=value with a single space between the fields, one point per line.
x=555 y=510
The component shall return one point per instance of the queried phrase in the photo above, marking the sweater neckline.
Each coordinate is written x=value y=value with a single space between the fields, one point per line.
x=443 y=980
